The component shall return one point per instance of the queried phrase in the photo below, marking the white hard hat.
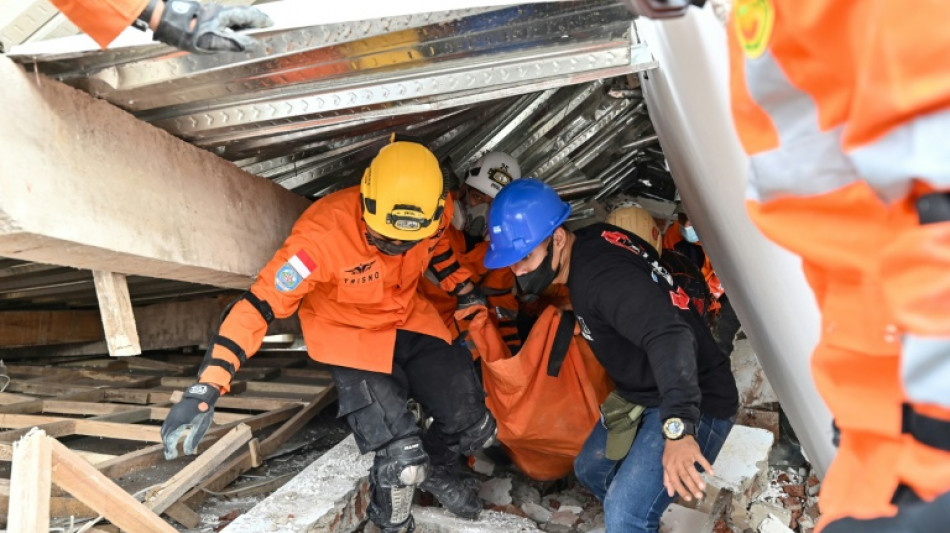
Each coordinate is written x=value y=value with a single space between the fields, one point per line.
x=492 y=172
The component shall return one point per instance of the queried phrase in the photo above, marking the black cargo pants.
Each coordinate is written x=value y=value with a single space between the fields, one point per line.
x=440 y=376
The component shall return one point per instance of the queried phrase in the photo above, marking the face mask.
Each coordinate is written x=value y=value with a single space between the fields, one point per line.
x=389 y=248
x=689 y=233
x=476 y=220
x=458 y=215
x=532 y=284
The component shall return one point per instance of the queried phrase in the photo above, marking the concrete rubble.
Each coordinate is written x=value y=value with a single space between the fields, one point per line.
x=745 y=495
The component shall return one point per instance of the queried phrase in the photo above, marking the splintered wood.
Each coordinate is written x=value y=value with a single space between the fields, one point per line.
x=47 y=415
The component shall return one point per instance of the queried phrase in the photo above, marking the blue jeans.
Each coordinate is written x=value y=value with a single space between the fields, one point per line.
x=632 y=488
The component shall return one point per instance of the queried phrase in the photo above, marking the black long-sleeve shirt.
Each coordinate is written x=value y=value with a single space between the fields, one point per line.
x=640 y=327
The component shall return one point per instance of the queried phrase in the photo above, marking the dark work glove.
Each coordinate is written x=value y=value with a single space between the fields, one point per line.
x=472 y=298
x=195 y=410
x=206 y=28
x=918 y=517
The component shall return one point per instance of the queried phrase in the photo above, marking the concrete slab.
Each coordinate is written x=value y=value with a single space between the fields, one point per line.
x=744 y=457
x=754 y=388
x=329 y=496
x=679 y=519
x=89 y=186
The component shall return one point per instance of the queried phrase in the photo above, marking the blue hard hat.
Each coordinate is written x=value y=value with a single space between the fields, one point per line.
x=523 y=214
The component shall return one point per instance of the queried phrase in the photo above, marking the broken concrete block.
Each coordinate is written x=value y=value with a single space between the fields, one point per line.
x=536 y=512
x=496 y=491
x=524 y=493
x=773 y=525
x=679 y=519
x=743 y=459
x=330 y=495
x=438 y=520
x=562 y=519
x=479 y=462
x=754 y=387
x=760 y=511
x=575 y=509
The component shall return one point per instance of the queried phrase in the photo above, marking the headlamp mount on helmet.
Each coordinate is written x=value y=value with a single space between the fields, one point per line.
x=408 y=218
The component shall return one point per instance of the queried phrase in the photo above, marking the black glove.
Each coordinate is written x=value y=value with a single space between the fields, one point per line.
x=206 y=28
x=918 y=517
x=472 y=298
x=195 y=410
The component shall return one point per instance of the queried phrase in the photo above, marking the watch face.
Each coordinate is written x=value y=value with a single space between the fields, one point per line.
x=673 y=428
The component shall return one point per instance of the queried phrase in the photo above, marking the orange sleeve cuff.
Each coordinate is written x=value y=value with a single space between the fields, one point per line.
x=103 y=20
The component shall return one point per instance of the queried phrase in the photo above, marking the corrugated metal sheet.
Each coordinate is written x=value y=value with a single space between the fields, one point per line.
x=548 y=83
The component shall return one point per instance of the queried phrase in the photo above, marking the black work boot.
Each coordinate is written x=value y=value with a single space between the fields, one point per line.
x=445 y=483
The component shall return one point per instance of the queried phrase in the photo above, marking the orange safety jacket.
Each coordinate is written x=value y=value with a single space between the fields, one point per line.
x=498 y=285
x=546 y=397
x=844 y=109
x=103 y=20
x=351 y=298
x=671 y=238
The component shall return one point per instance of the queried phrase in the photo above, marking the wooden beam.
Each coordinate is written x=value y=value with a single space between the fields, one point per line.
x=198 y=470
x=74 y=475
x=159 y=326
x=245 y=461
x=31 y=483
x=115 y=307
x=32 y=328
x=173 y=211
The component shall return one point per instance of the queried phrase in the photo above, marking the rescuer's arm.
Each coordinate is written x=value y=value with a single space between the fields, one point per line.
x=280 y=285
x=186 y=24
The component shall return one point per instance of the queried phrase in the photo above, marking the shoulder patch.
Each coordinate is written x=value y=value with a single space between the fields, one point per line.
x=294 y=271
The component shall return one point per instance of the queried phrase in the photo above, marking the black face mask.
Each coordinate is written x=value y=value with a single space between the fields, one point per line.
x=388 y=247
x=532 y=284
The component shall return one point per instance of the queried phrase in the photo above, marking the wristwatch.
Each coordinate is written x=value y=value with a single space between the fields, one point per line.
x=676 y=428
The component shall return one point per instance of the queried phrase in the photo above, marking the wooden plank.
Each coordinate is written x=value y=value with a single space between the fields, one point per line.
x=220 y=417
x=47 y=388
x=285 y=388
x=84 y=408
x=153 y=455
x=89 y=486
x=198 y=469
x=36 y=406
x=120 y=378
x=7 y=438
x=113 y=430
x=33 y=328
x=30 y=483
x=245 y=461
x=9 y=398
x=115 y=307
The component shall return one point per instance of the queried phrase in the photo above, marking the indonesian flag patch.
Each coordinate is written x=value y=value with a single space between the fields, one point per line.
x=295 y=270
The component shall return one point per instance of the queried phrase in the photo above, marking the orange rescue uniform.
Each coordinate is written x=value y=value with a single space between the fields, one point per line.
x=844 y=109
x=498 y=285
x=103 y=20
x=352 y=298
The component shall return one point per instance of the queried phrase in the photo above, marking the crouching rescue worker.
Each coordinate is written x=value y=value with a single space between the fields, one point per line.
x=351 y=265
x=675 y=399
x=466 y=236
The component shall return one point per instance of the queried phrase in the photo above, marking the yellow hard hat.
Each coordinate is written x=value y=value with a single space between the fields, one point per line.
x=638 y=221
x=402 y=192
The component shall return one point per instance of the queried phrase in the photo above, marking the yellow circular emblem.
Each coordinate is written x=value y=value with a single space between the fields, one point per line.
x=754 y=20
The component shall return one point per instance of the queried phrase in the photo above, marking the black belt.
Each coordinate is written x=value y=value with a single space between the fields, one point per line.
x=927 y=430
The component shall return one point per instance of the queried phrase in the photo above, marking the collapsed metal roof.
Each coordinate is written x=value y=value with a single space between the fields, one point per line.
x=549 y=83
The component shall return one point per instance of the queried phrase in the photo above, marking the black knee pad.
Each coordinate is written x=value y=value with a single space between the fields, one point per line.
x=397 y=469
x=479 y=435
